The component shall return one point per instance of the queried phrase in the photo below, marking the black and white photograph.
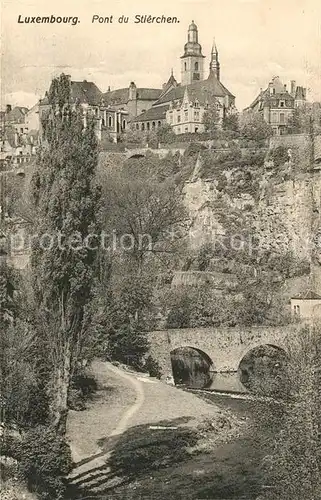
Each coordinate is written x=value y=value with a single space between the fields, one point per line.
x=160 y=250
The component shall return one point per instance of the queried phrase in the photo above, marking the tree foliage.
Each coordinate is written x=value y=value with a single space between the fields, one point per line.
x=67 y=206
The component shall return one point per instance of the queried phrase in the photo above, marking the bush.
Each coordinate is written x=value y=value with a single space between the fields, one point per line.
x=44 y=462
x=83 y=386
x=152 y=367
x=128 y=345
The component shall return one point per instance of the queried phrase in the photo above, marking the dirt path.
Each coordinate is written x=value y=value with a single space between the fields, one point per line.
x=130 y=399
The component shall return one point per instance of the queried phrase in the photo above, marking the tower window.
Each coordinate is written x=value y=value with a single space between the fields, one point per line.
x=185 y=66
x=196 y=66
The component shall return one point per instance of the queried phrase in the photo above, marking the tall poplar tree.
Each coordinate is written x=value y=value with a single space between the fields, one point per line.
x=64 y=254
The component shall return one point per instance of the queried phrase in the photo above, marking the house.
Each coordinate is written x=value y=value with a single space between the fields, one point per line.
x=276 y=104
x=306 y=305
x=110 y=120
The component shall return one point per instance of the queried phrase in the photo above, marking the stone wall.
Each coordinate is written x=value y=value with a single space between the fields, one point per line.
x=226 y=347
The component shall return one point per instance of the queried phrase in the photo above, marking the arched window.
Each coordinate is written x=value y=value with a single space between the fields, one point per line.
x=153 y=125
x=159 y=124
x=148 y=125
x=196 y=66
x=143 y=126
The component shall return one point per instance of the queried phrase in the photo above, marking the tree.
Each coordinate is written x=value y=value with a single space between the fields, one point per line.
x=67 y=203
x=145 y=210
x=254 y=127
x=231 y=123
x=306 y=119
x=165 y=134
x=293 y=466
x=211 y=119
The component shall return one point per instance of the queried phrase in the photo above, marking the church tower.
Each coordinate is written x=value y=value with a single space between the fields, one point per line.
x=215 y=64
x=192 y=61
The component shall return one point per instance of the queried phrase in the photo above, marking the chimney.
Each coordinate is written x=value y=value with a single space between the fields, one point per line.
x=8 y=108
x=293 y=87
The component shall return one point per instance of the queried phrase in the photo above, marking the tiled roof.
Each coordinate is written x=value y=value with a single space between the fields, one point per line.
x=83 y=92
x=212 y=86
x=121 y=96
x=154 y=113
x=118 y=96
x=309 y=295
x=266 y=97
x=86 y=92
x=17 y=115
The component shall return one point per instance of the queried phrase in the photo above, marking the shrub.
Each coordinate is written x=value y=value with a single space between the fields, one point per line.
x=152 y=367
x=44 y=462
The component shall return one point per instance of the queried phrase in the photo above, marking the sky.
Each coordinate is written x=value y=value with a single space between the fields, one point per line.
x=256 y=39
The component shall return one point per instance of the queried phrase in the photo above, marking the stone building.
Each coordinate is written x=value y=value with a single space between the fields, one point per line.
x=110 y=121
x=182 y=105
x=276 y=104
x=306 y=305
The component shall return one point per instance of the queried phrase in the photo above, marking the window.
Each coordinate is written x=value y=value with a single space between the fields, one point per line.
x=153 y=125
x=197 y=115
x=196 y=66
x=21 y=130
x=159 y=124
x=282 y=104
x=186 y=116
x=109 y=121
x=143 y=126
x=179 y=130
x=185 y=66
x=137 y=126
x=178 y=118
x=196 y=129
x=186 y=129
x=124 y=124
x=282 y=118
x=274 y=118
x=296 y=310
x=171 y=117
x=148 y=125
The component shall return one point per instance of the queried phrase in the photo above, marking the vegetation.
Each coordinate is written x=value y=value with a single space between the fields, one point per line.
x=67 y=204
x=292 y=466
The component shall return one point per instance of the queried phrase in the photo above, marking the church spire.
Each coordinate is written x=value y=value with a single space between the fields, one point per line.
x=215 y=64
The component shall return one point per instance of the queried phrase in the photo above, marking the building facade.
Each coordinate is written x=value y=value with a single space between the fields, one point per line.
x=110 y=121
x=276 y=104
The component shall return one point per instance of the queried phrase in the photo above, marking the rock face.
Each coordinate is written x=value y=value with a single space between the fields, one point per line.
x=285 y=213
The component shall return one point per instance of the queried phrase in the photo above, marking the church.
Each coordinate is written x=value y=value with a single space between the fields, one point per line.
x=182 y=105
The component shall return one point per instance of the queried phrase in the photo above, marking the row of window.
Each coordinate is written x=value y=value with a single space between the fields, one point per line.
x=181 y=131
x=179 y=119
x=196 y=66
x=149 y=125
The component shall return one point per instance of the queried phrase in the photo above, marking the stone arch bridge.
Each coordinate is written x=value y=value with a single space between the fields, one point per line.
x=226 y=347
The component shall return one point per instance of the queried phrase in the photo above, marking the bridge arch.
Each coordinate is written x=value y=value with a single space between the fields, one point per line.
x=191 y=366
x=261 y=369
